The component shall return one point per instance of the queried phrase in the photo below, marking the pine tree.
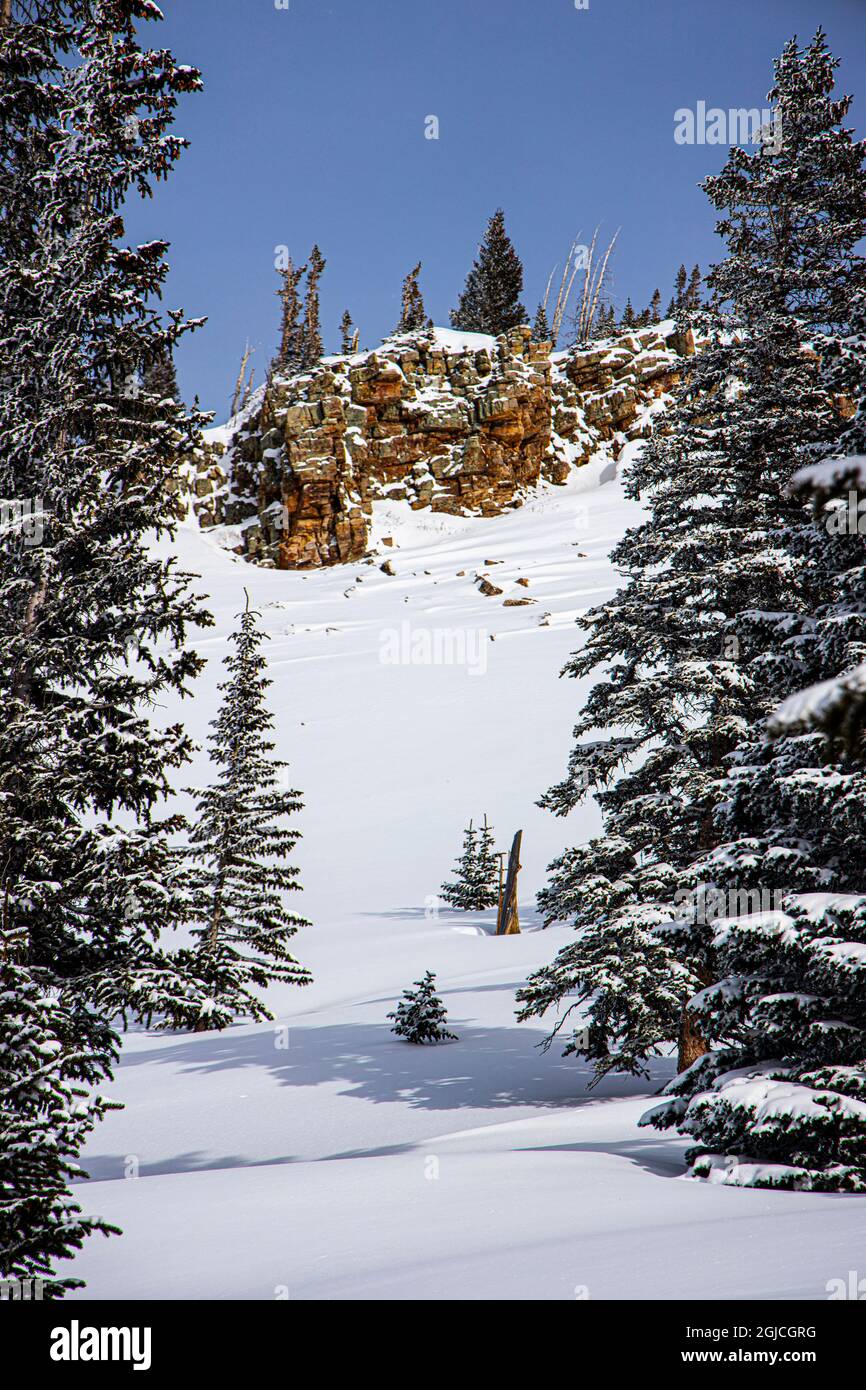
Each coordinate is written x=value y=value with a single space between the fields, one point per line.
x=347 y=333
x=461 y=893
x=490 y=302
x=413 y=315
x=680 y=285
x=629 y=318
x=92 y=626
x=47 y=1111
x=656 y=307
x=290 y=356
x=312 y=348
x=606 y=324
x=420 y=1014
x=729 y=607
x=476 y=882
x=485 y=870
x=160 y=379
x=541 y=327
x=692 y=296
x=780 y=1097
x=239 y=848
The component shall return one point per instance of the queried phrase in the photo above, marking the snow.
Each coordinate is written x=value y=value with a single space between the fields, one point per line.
x=822 y=477
x=454 y=340
x=448 y=340
x=819 y=704
x=321 y=1157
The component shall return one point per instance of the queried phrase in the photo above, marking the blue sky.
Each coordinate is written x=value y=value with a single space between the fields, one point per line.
x=312 y=128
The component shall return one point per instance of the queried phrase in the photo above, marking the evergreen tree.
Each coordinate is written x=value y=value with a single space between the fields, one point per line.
x=730 y=606
x=485 y=870
x=347 y=333
x=47 y=1111
x=239 y=848
x=541 y=328
x=311 y=343
x=680 y=285
x=290 y=356
x=160 y=379
x=420 y=1014
x=629 y=318
x=490 y=302
x=606 y=324
x=461 y=893
x=413 y=315
x=92 y=626
x=692 y=296
x=780 y=1098
x=476 y=884
x=656 y=307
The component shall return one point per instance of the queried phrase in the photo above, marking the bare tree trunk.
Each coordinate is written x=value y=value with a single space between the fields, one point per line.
x=237 y=398
x=692 y=1043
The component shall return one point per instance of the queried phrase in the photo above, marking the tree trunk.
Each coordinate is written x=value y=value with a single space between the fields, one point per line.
x=692 y=1043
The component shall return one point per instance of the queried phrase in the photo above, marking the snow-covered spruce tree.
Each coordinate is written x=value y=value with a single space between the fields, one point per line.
x=476 y=872
x=239 y=848
x=490 y=302
x=420 y=1014
x=486 y=868
x=160 y=380
x=413 y=315
x=92 y=627
x=541 y=328
x=780 y=1099
x=461 y=893
x=723 y=612
x=47 y=1110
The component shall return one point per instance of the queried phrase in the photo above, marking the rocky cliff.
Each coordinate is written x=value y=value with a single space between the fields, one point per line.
x=456 y=422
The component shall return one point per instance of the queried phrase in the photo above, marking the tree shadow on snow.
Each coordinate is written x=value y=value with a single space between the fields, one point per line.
x=109 y=1167
x=486 y=1069
x=484 y=921
x=663 y=1157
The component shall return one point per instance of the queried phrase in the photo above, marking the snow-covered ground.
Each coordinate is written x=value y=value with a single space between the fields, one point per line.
x=320 y=1157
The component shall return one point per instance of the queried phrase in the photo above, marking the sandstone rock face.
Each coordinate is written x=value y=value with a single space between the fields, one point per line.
x=457 y=423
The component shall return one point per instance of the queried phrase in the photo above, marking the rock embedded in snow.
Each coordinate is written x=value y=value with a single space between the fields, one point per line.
x=488 y=589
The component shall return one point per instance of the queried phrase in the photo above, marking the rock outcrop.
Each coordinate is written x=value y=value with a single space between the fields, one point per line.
x=459 y=423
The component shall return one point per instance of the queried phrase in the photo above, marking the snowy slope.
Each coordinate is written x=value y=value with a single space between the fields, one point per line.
x=322 y=1158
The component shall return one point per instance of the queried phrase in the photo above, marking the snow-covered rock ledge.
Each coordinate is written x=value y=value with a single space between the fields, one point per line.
x=460 y=423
